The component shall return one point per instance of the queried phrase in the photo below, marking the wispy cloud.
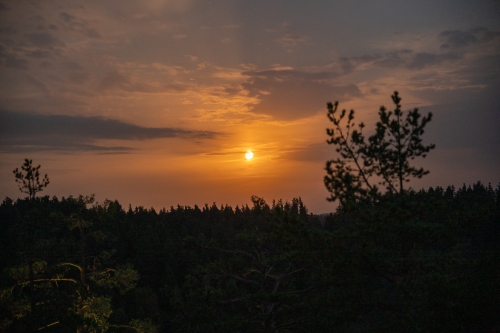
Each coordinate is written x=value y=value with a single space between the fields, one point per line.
x=73 y=23
x=292 y=94
x=114 y=80
x=290 y=41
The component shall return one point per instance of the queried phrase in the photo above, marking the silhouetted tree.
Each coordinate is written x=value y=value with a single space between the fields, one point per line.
x=29 y=181
x=386 y=154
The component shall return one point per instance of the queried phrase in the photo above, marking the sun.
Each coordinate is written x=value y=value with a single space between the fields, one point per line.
x=249 y=155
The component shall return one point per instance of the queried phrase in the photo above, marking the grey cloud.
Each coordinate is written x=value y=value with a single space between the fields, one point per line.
x=396 y=59
x=73 y=23
x=393 y=59
x=9 y=59
x=348 y=64
x=289 y=95
x=67 y=17
x=484 y=70
x=78 y=77
x=424 y=59
x=273 y=74
x=73 y=65
x=233 y=89
x=38 y=54
x=60 y=132
x=44 y=40
x=92 y=33
x=455 y=39
x=56 y=145
x=468 y=124
x=291 y=40
x=37 y=18
x=37 y=84
x=46 y=64
x=115 y=80
x=314 y=152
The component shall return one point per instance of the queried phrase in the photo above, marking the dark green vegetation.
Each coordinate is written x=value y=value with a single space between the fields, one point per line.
x=399 y=261
x=423 y=261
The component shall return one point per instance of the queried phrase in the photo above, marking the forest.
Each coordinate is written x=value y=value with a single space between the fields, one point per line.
x=426 y=261
x=398 y=260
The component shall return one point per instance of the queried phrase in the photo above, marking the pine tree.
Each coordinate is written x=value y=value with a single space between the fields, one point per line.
x=385 y=155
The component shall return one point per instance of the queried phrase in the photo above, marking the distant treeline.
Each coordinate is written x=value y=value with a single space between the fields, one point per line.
x=426 y=261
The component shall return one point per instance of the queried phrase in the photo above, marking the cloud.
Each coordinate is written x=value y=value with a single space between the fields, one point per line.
x=38 y=84
x=314 y=152
x=348 y=64
x=424 y=59
x=397 y=59
x=78 y=77
x=291 y=94
x=114 y=80
x=44 y=40
x=72 y=23
x=3 y=7
x=456 y=39
x=38 y=54
x=73 y=65
x=277 y=74
x=12 y=60
x=56 y=132
x=394 y=59
x=466 y=124
x=191 y=57
x=290 y=41
x=455 y=44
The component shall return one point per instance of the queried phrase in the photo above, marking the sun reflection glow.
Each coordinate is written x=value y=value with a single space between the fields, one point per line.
x=249 y=155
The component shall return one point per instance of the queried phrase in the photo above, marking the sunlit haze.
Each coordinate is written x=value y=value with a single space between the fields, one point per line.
x=157 y=103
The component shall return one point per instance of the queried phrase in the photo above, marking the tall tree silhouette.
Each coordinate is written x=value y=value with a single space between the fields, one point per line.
x=385 y=155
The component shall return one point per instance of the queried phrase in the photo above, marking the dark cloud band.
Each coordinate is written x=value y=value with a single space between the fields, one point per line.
x=77 y=132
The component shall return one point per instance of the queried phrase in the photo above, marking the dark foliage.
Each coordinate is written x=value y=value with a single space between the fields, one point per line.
x=422 y=261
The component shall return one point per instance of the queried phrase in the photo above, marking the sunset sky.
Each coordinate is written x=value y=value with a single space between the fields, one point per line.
x=156 y=102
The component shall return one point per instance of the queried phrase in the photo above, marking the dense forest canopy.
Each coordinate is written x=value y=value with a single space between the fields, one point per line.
x=423 y=261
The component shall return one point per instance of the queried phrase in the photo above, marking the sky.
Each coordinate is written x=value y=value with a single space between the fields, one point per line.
x=154 y=103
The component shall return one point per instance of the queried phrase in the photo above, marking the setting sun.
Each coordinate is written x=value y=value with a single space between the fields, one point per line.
x=249 y=155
